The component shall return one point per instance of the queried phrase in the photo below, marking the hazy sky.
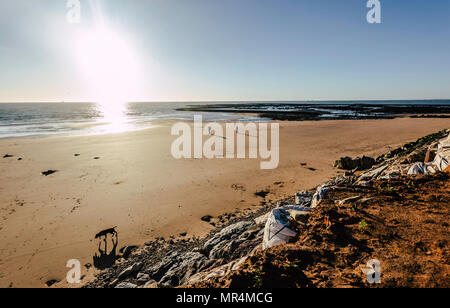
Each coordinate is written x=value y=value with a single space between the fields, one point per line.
x=232 y=49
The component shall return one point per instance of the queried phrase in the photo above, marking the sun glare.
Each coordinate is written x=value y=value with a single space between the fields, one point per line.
x=109 y=66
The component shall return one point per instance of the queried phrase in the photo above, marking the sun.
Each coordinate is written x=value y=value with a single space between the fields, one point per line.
x=108 y=64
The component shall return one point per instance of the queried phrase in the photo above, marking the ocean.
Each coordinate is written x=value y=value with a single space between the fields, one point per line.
x=46 y=119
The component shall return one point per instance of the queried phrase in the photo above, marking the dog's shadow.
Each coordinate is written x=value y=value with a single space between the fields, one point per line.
x=106 y=255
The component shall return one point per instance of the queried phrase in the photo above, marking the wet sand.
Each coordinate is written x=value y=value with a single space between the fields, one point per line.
x=136 y=185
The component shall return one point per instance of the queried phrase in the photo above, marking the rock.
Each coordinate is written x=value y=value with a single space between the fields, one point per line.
x=262 y=194
x=51 y=282
x=261 y=220
x=347 y=163
x=8 y=156
x=48 y=172
x=130 y=271
x=238 y=245
x=226 y=234
x=207 y=218
x=217 y=272
x=176 y=268
x=126 y=285
x=366 y=163
x=303 y=198
x=151 y=285
x=142 y=278
x=183 y=234
x=88 y=265
x=127 y=250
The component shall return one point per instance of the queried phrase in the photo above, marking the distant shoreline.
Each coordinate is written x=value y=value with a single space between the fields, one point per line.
x=327 y=111
x=246 y=101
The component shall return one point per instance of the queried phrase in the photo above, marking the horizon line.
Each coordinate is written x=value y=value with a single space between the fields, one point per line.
x=232 y=101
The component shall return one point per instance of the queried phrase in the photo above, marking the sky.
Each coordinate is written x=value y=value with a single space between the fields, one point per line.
x=224 y=50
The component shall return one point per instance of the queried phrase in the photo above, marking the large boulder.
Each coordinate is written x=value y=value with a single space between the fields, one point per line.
x=347 y=163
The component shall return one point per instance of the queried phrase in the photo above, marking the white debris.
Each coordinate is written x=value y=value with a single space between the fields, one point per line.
x=277 y=230
x=318 y=196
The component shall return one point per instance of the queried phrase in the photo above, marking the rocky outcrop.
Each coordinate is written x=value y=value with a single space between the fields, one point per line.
x=226 y=234
x=176 y=268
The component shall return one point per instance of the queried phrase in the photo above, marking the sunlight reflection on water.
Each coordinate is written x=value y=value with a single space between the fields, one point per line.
x=114 y=118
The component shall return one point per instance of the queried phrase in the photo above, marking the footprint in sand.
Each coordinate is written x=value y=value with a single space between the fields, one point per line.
x=238 y=187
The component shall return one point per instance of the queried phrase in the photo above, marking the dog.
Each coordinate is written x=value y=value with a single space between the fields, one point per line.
x=105 y=233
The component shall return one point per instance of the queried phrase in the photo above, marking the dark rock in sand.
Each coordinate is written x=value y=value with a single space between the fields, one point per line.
x=51 y=282
x=347 y=163
x=8 y=156
x=49 y=172
x=207 y=218
x=127 y=250
x=263 y=193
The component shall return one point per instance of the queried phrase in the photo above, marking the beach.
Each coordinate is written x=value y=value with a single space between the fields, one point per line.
x=131 y=181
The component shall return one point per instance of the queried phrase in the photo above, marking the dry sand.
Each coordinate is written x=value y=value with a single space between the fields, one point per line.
x=137 y=186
